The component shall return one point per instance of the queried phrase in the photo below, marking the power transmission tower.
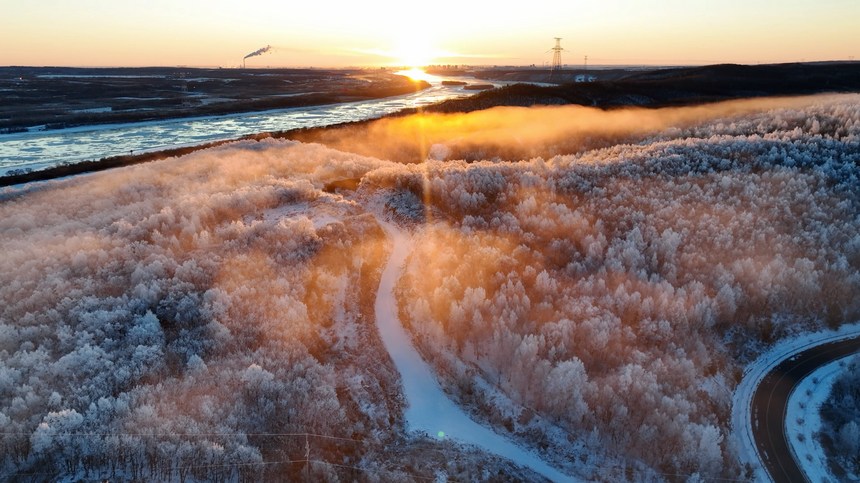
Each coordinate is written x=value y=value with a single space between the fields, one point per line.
x=556 y=57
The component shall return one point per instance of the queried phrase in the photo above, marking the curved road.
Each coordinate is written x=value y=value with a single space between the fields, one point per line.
x=770 y=402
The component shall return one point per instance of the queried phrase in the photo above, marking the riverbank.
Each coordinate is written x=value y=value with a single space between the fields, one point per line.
x=666 y=87
x=32 y=151
x=49 y=98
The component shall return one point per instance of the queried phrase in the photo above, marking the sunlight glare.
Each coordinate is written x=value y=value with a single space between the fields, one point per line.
x=416 y=74
x=412 y=51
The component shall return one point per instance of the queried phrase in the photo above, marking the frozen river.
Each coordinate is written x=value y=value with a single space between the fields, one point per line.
x=41 y=149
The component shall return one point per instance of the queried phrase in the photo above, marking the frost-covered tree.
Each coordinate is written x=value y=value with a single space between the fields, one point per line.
x=841 y=419
x=621 y=288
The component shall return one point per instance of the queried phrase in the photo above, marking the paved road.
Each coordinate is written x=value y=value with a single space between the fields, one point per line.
x=770 y=402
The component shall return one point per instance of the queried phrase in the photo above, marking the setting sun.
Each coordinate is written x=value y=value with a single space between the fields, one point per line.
x=375 y=34
x=415 y=52
x=416 y=74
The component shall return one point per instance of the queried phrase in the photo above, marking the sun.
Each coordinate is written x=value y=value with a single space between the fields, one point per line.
x=416 y=74
x=415 y=52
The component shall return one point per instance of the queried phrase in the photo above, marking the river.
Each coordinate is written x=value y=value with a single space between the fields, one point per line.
x=42 y=149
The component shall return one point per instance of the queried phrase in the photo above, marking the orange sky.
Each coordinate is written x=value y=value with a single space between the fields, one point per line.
x=370 y=33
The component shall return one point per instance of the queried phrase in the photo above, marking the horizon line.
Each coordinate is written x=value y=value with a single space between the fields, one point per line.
x=395 y=67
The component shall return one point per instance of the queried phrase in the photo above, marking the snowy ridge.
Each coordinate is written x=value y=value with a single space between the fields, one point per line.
x=755 y=372
x=429 y=410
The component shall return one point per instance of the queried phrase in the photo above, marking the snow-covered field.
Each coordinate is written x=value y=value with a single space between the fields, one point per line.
x=214 y=316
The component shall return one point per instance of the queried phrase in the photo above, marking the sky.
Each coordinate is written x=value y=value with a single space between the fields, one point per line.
x=384 y=33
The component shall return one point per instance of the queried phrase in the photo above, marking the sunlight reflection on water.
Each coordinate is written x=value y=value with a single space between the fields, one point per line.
x=43 y=149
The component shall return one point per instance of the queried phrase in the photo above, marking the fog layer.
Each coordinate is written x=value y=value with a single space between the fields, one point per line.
x=516 y=133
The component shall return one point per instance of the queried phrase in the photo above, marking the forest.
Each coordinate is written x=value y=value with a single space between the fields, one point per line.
x=841 y=421
x=606 y=302
x=203 y=318
x=210 y=317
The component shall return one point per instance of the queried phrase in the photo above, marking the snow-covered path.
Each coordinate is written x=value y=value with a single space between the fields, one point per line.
x=429 y=409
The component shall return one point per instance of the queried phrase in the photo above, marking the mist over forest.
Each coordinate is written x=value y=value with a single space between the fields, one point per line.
x=592 y=290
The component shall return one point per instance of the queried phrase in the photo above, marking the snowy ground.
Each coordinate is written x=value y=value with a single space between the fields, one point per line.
x=320 y=216
x=753 y=375
x=429 y=410
x=803 y=421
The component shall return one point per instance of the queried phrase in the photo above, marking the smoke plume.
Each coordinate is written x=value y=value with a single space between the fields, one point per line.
x=259 y=51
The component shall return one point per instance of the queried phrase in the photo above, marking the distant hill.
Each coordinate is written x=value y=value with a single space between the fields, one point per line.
x=673 y=86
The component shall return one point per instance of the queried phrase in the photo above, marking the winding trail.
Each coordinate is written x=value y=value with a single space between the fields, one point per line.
x=429 y=409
